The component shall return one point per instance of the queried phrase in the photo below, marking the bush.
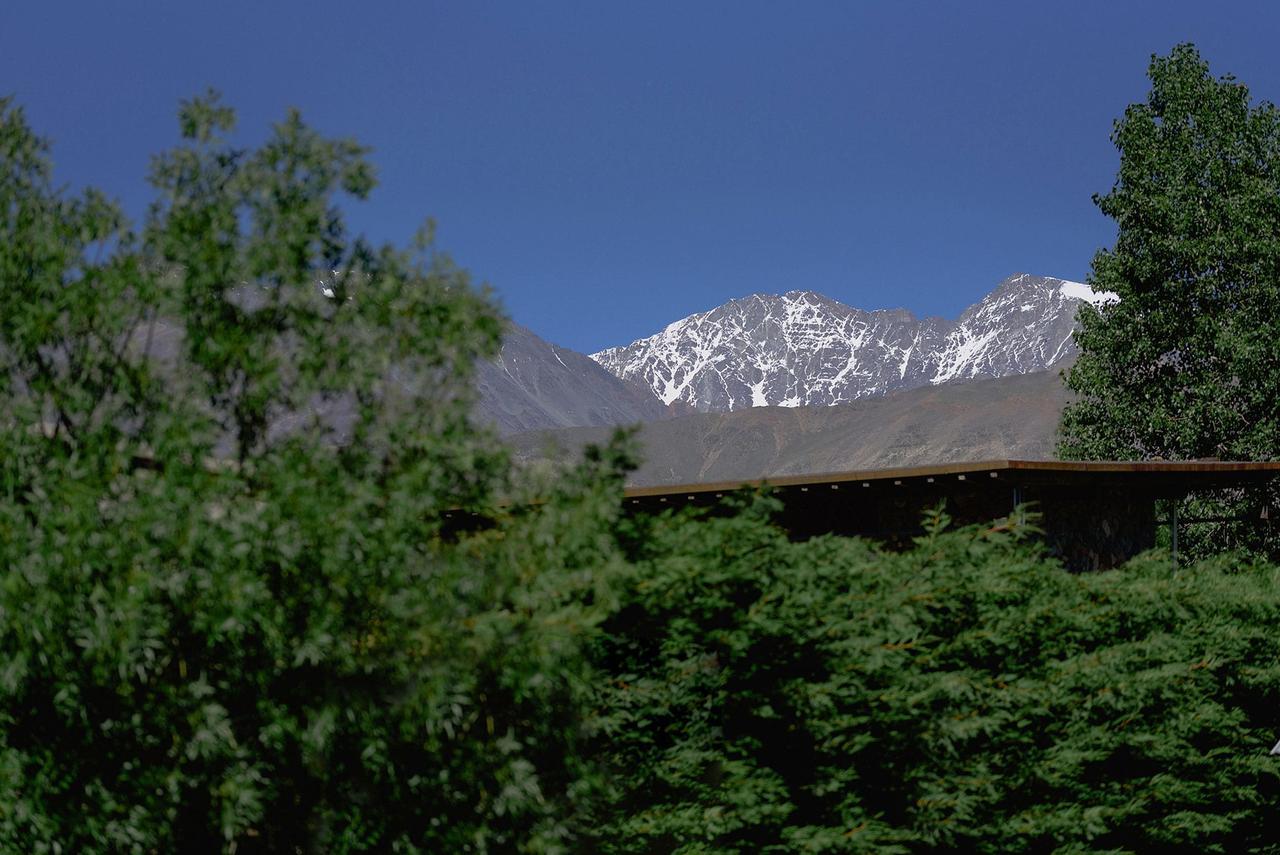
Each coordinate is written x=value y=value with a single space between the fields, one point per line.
x=829 y=696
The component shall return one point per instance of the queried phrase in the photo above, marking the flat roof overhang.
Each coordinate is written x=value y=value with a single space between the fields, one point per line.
x=1157 y=478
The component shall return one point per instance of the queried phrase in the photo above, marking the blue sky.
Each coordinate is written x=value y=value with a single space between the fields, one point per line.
x=611 y=167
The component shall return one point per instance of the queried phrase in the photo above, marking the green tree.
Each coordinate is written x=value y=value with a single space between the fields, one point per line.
x=231 y=618
x=244 y=605
x=1182 y=365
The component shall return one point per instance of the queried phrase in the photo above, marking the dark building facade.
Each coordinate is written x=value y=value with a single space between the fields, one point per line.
x=1094 y=515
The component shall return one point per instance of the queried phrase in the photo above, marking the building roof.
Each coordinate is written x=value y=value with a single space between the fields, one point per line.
x=1163 y=477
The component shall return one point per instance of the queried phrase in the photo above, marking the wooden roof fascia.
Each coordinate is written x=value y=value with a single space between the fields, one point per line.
x=1072 y=470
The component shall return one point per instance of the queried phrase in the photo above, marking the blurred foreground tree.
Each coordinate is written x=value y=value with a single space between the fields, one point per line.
x=229 y=619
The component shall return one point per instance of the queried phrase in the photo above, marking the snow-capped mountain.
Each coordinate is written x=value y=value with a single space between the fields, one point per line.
x=802 y=348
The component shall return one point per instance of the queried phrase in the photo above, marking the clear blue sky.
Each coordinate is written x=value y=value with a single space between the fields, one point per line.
x=611 y=167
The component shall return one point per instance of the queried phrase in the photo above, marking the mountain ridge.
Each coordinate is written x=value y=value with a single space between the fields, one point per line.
x=804 y=348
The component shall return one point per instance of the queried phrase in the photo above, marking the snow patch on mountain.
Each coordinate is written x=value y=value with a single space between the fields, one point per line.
x=1080 y=291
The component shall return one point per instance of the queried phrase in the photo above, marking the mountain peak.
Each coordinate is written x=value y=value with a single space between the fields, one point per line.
x=1064 y=287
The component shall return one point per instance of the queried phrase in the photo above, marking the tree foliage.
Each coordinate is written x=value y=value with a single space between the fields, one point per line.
x=243 y=607
x=1182 y=365
x=229 y=617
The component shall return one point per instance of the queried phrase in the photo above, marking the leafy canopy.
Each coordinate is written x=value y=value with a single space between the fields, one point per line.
x=229 y=618
x=1183 y=364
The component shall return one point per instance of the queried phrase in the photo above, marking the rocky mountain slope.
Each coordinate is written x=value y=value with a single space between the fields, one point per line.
x=534 y=384
x=804 y=349
x=984 y=419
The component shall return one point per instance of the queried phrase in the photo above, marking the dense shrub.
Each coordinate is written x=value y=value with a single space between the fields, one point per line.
x=828 y=696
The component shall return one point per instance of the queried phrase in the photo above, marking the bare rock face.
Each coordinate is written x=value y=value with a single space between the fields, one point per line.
x=804 y=349
x=534 y=385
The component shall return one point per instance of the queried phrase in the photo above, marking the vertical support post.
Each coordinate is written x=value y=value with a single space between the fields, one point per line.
x=1017 y=502
x=1173 y=531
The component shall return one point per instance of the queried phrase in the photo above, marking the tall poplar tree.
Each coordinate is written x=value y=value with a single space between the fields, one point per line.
x=1184 y=364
